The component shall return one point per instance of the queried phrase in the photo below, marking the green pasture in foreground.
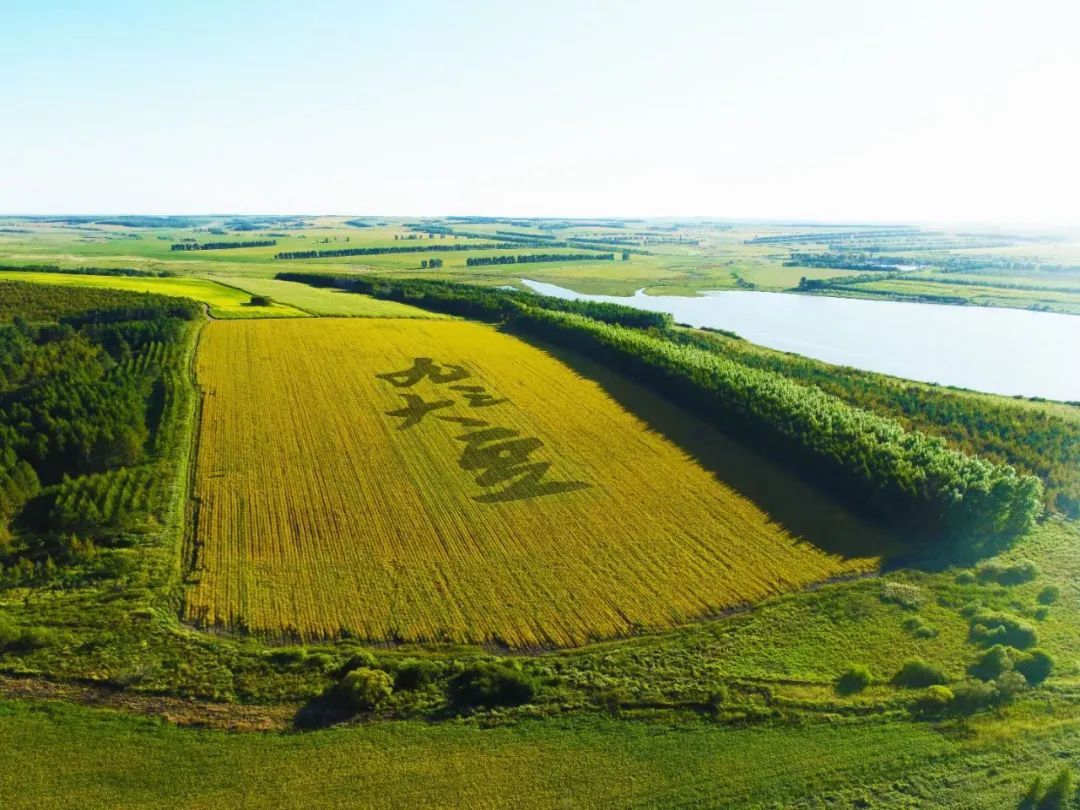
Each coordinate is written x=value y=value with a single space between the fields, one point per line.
x=322 y=301
x=57 y=752
x=224 y=302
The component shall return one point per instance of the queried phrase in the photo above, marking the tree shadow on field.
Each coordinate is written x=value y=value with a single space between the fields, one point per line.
x=804 y=510
x=321 y=711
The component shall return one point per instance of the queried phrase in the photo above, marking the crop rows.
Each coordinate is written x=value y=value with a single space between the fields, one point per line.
x=323 y=507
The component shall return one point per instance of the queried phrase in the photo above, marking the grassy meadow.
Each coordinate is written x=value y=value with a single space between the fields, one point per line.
x=588 y=762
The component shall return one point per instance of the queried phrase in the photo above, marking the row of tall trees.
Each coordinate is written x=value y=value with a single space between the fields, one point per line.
x=533 y=258
x=254 y=243
x=481 y=303
x=378 y=251
x=902 y=477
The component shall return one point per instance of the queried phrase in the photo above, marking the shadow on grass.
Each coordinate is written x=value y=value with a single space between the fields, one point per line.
x=801 y=508
x=322 y=711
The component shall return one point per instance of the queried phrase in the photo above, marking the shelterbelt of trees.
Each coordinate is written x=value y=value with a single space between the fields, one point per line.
x=1035 y=440
x=223 y=245
x=904 y=478
x=378 y=251
x=522 y=240
x=527 y=258
x=81 y=394
x=482 y=303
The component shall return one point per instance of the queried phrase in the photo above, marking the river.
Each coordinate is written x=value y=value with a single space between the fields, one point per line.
x=1001 y=351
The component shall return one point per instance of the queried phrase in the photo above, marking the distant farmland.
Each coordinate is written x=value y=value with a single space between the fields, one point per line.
x=410 y=480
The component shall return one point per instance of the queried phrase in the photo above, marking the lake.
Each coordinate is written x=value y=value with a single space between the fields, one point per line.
x=1002 y=351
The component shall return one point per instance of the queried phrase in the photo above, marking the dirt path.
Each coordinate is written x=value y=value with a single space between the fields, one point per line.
x=181 y=711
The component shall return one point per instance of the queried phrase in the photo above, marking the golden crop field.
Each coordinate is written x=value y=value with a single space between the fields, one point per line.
x=410 y=480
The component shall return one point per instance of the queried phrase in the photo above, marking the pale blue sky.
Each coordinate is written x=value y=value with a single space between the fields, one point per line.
x=948 y=110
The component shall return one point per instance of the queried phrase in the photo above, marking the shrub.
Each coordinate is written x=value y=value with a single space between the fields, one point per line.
x=361 y=658
x=1059 y=793
x=320 y=661
x=916 y=674
x=970 y=697
x=920 y=629
x=491 y=684
x=414 y=673
x=934 y=701
x=612 y=698
x=902 y=593
x=1049 y=595
x=23 y=639
x=853 y=679
x=9 y=632
x=1036 y=790
x=1013 y=574
x=1035 y=666
x=717 y=698
x=261 y=301
x=289 y=655
x=1001 y=628
x=1009 y=685
x=965 y=578
x=363 y=689
x=993 y=663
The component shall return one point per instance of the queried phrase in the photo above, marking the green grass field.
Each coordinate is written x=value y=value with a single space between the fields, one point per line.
x=54 y=753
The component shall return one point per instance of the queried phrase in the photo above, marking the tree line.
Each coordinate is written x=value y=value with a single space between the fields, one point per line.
x=481 y=303
x=223 y=245
x=529 y=258
x=1031 y=439
x=88 y=271
x=526 y=240
x=903 y=478
x=827 y=237
x=378 y=251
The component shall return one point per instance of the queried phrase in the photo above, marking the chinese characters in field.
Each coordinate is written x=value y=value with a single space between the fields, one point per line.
x=501 y=459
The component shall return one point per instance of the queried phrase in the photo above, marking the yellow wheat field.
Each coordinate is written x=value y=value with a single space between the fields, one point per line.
x=480 y=491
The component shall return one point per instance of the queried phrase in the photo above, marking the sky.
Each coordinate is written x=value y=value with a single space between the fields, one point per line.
x=831 y=110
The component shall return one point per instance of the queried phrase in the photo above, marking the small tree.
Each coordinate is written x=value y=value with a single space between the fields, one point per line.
x=917 y=674
x=1060 y=792
x=854 y=679
x=1049 y=595
x=1035 y=666
x=261 y=301
x=492 y=684
x=993 y=663
x=934 y=701
x=364 y=689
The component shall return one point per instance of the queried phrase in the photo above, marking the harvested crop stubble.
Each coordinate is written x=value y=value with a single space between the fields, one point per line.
x=441 y=481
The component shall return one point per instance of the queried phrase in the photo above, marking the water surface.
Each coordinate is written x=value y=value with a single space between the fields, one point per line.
x=1002 y=351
